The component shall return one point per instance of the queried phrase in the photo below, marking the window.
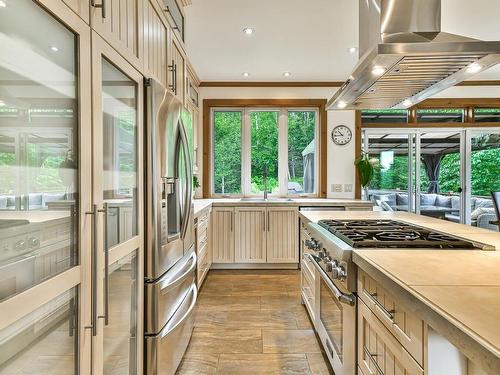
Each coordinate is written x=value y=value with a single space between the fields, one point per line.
x=487 y=114
x=279 y=141
x=441 y=115
x=384 y=116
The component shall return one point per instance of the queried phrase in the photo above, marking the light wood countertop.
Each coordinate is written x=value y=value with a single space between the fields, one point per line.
x=202 y=204
x=457 y=292
x=34 y=216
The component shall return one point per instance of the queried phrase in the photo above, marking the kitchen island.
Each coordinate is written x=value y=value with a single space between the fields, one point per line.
x=455 y=292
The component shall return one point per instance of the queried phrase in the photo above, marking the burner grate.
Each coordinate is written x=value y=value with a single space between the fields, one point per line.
x=391 y=234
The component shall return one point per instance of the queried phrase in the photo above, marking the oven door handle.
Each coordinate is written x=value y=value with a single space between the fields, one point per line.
x=348 y=299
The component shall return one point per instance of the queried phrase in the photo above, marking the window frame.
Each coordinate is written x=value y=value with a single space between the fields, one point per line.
x=246 y=161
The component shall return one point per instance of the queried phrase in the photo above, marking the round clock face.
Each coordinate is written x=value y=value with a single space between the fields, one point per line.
x=341 y=135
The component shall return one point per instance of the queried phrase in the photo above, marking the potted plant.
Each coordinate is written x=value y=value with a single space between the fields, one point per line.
x=365 y=169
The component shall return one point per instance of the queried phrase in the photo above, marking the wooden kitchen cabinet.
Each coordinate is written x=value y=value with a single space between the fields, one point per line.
x=282 y=235
x=203 y=246
x=120 y=24
x=378 y=350
x=223 y=235
x=250 y=235
x=177 y=69
x=405 y=326
x=80 y=7
x=155 y=36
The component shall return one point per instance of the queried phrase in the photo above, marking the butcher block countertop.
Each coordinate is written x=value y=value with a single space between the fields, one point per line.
x=201 y=205
x=457 y=292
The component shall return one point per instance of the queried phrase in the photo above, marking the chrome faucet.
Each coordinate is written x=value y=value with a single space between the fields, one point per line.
x=264 y=180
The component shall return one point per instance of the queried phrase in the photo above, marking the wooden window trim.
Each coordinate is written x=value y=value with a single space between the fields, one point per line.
x=468 y=104
x=320 y=104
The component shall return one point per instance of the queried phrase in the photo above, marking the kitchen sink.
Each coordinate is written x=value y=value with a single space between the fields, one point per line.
x=266 y=200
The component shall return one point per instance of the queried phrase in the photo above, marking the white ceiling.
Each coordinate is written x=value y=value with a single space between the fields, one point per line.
x=309 y=38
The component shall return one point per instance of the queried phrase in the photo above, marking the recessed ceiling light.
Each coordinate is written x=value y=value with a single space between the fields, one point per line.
x=474 y=68
x=54 y=49
x=249 y=31
x=378 y=70
x=352 y=49
x=341 y=104
x=245 y=74
x=407 y=103
x=2 y=4
x=2 y=103
x=287 y=74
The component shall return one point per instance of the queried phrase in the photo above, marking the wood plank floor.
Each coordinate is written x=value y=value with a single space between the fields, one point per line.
x=253 y=322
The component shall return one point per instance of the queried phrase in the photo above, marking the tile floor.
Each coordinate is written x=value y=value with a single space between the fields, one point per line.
x=252 y=322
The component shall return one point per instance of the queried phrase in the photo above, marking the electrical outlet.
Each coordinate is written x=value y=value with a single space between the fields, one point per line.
x=348 y=188
x=337 y=188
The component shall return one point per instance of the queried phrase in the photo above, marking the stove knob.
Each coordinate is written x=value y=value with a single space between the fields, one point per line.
x=329 y=265
x=311 y=244
x=339 y=273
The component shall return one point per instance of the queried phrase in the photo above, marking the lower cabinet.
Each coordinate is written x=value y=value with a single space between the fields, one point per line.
x=378 y=350
x=250 y=234
x=223 y=235
x=203 y=246
x=255 y=235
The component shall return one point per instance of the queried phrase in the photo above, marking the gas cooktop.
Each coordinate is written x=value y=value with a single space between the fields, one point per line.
x=392 y=234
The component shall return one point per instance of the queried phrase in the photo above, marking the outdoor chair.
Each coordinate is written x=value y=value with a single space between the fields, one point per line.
x=496 y=202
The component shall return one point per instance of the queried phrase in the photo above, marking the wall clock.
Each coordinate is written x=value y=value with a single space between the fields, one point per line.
x=341 y=135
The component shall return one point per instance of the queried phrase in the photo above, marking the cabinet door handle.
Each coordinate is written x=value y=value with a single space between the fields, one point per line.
x=232 y=216
x=264 y=221
x=175 y=79
x=268 y=222
x=102 y=5
x=93 y=322
x=172 y=68
x=374 y=299
x=371 y=357
x=105 y=210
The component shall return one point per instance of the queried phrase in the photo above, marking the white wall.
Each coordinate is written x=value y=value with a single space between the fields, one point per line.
x=340 y=158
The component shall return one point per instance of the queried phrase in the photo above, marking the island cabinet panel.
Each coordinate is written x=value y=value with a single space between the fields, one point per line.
x=80 y=7
x=203 y=246
x=155 y=42
x=282 y=235
x=378 y=350
x=250 y=235
x=406 y=327
x=223 y=235
x=120 y=24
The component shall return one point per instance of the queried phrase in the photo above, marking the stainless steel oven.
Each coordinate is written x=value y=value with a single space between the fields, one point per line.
x=336 y=323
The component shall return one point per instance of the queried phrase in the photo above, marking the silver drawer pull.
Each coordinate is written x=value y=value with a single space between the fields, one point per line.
x=371 y=357
x=389 y=313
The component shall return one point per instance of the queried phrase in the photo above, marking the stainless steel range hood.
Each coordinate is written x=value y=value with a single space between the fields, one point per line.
x=406 y=58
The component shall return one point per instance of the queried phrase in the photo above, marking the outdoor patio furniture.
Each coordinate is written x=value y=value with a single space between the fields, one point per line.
x=495 y=195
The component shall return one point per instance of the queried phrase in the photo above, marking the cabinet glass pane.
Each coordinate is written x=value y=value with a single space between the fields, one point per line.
x=227 y=152
x=301 y=152
x=264 y=150
x=38 y=147
x=120 y=335
x=119 y=153
x=44 y=341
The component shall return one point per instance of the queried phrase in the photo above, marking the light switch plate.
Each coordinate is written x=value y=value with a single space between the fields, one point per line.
x=337 y=188
x=348 y=188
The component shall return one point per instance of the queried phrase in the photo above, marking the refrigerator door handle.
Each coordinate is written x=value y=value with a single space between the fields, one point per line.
x=189 y=183
x=175 y=321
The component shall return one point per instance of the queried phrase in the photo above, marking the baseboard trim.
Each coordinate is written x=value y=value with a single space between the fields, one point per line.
x=254 y=266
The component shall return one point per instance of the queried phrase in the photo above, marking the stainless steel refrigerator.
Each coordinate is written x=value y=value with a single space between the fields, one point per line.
x=170 y=264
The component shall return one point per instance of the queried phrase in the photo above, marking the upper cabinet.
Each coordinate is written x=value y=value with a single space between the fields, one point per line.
x=80 y=7
x=177 y=69
x=155 y=42
x=176 y=16
x=120 y=24
x=192 y=84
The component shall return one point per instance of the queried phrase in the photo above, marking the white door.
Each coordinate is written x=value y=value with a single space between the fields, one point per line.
x=117 y=212
x=45 y=235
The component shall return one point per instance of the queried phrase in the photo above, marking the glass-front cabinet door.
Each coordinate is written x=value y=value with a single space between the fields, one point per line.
x=44 y=189
x=117 y=211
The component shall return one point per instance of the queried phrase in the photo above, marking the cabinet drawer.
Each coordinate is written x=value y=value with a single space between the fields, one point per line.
x=308 y=290
x=378 y=351
x=403 y=324
x=203 y=219
x=307 y=265
x=203 y=265
x=201 y=236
